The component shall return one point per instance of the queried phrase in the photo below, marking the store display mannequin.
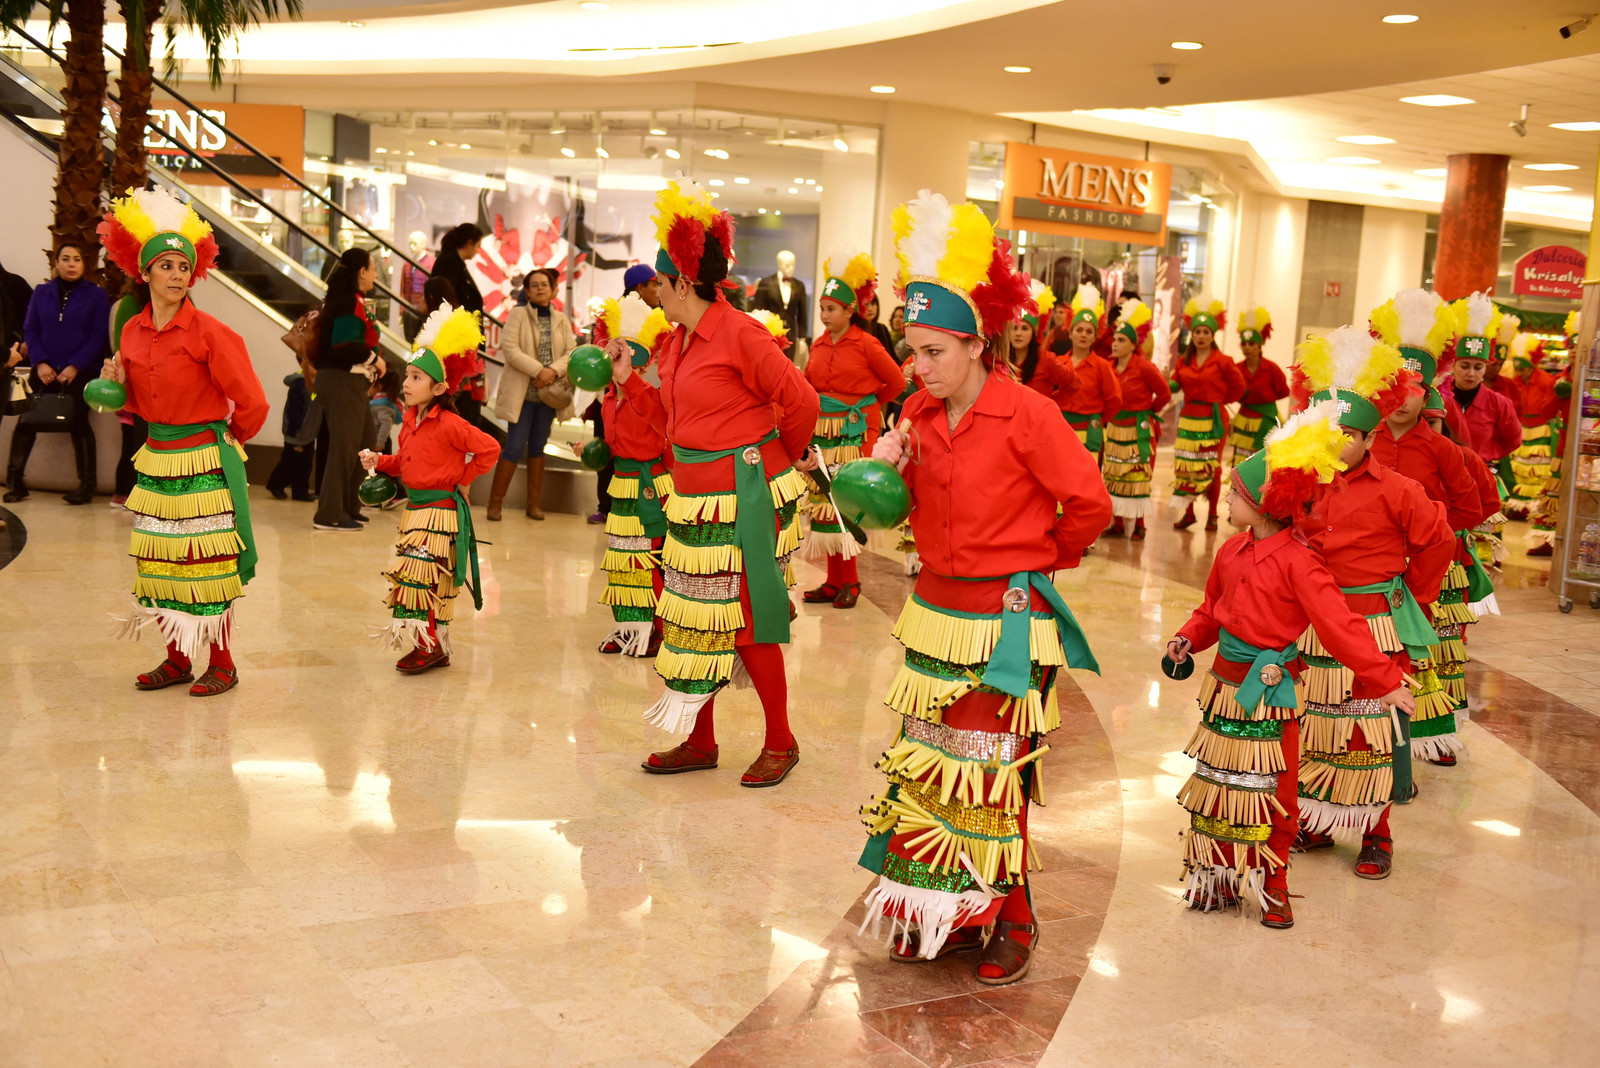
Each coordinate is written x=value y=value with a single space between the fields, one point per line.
x=411 y=279
x=785 y=295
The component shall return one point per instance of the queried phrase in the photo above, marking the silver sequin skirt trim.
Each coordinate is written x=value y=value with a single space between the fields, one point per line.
x=205 y=524
x=1244 y=780
x=724 y=587
x=987 y=746
x=630 y=545
x=1353 y=707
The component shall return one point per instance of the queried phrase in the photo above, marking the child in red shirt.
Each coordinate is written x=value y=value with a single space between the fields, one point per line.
x=440 y=452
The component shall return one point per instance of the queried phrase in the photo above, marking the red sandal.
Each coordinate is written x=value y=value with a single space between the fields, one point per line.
x=908 y=950
x=821 y=595
x=771 y=767
x=1374 y=856
x=680 y=758
x=168 y=674
x=216 y=680
x=848 y=596
x=1010 y=956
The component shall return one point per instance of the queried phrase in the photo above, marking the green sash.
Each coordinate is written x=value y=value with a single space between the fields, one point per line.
x=1252 y=691
x=1266 y=410
x=1141 y=422
x=855 y=415
x=466 y=542
x=755 y=531
x=1096 y=437
x=1479 y=585
x=1010 y=667
x=649 y=510
x=232 y=454
x=1410 y=621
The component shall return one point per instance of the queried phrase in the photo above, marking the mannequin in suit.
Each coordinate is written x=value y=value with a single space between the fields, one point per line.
x=785 y=295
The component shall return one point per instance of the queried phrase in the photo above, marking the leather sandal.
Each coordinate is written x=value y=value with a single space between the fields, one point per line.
x=167 y=674
x=1375 y=856
x=1211 y=525
x=680 y=758
x=654 y=648
x=771 y=767
x=216 y=680
x=1138 y=532
x=611 y=648
x=1279 y=914
x=1188 y=520
x=821 y=595
x=961 y=940
x=418 y=660
x=848 y=596
x=1010 y=956
x=1215 y=901
x=1305 y=841
x=1446 y=761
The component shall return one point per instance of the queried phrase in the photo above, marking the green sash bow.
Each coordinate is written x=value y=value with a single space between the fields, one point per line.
x=1010 y=667
x=1265 y=409
x=232 y=454
x=466 y=541
x=1410 y=621
x=1141 y=423
x=1096 y=437
x=648 y=508
x=1479 y=585
x=855 y=415
x=1253 y=690
x=755 y=531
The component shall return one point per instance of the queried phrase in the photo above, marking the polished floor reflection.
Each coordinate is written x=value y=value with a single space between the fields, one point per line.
x=335 y=865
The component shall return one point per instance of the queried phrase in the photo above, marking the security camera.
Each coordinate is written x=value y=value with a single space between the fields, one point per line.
x=1164 y=73
x=1520 y=126
x=1575 y=27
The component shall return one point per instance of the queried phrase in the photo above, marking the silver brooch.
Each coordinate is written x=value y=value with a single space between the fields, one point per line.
x=1017 y=599
x=1271 y=675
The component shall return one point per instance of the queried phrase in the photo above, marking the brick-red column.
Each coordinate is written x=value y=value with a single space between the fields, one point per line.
x=1470 y=222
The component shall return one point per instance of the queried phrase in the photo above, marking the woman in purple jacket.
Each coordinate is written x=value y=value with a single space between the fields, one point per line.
x=65 y=334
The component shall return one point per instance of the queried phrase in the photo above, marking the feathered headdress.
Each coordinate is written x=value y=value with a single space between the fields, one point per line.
x=1477 y=326
x=1133 y=321
x=955 y=275
x=441 y=350
x=1509 y=327
x=1255 y=325
x=1421 y=325
x=1044 y=298
x=850 y=278
x=635 y=322
x=1207 y=313
x=149 y=222
x=696 y=239
x=1526 y=350
x=1088 y=306
x=1570 y=328
x=774 y=324
x=1366 y=377
x=1282 y=478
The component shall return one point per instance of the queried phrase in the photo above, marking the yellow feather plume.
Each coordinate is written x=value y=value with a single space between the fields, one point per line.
x=655 y=325
x=900 y=224
x=611 y=315
x=772 y=321
x=1255 y=318
x=1088 y=298
x=1382 y=365
x=966 y=258
x=673 y=202
x=1571 y=327
x=1314 y=357
x=1308 y=441
x=1135 y=313
x=449 y=333
x=856 y=271
x=132 y=217
x=1045 y=297
x=1509 y=326
x=1194 y=307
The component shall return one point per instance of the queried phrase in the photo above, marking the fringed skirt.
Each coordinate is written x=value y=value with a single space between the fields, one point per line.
x=185 y=544
x=422 y=584
x=1433 y=725
x=1088 y=428
x=1251 y=424
x=1197 y=453
x=949 y=834
x=1129 y=462
x=1240 y=823
x=1530 y=469
x=632 y=562
x=704 y=605
x=840 y=441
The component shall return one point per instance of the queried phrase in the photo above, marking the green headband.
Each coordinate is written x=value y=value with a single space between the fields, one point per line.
x=1085 y=315
x=930 y=304
x=1129 y=331
x=1033 y=321
x=837 y=289
x=427 y=361
x=1250 y=336
x=1473 y=347
x=1355 y=411
x=1205 y=319
x=641 y=355
x=1433 y=402
x=1250 y=476
x=170 y=241
x=664 y=264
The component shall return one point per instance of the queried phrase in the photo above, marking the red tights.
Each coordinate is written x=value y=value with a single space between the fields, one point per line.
x=221 y=656
x=764 y=663
x=842 y=572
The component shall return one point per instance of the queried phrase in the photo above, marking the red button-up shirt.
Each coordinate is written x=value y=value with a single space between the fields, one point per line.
x=1371 y=524
x=189 y=370
x=726 y=384
x=1263 y=385
x=984 y=498
x=635 y=419
x=854 y=367
x=1488 y=489
x=1434 y=462
x=1087 y=388
x=1490 y=423
x=1535 y=397
x=1268 y=591
x=1217 y=381
x=1143 y=388
x=434 y=453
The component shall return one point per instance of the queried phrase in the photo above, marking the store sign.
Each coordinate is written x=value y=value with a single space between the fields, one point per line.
x=279 y=132
x=1076 y=194
x=1551 y=271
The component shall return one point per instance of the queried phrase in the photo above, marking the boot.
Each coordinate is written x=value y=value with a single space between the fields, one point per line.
x=504 y=472
x=16 y=464
x=83 y=455
x=535 y=487
x=17 y=489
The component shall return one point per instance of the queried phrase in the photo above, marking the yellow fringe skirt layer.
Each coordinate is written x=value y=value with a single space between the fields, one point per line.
x=422 y=574
x=952 y=835
x=923 y=628
x=625 y=487
x=1218 y=697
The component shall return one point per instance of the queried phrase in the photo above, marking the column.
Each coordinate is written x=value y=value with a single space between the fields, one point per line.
x=1470 y=222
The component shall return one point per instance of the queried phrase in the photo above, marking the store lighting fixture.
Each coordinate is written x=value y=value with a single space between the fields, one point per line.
x=673 y=153
x=600 y=150
x=557 y=127
x=380 y=150
x=777 y=213
x=1432 y=172
x=656 y=129
x=1576 y=127
x=1547 y=189
x=838 y=140
x=811 y=181
x=1194 y=198
x=594 y=5
x=1365 y=139
x=793 y=190
x=1018 y=70
x=1354 y=161
x=717 y=182
x=1549 y=166
x=411 y=152
x=717 y=153
x=1399 y=20
x=761 y=211
x=466 y=146
x=433 y=142
x=883 y=90
x=741 y=181
x=354 y=24
x=567 y=151
x=819 y=189
x=1437 y=100
x=1187 y=46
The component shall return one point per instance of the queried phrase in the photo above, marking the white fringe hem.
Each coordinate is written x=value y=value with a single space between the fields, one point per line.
x=192 y=635
x=1486 y=607
x=676 y=712
x=1206 y=884
x=1439 y=746
x=1130 y=507
x=633 y=638
x=404 y=635
x=818 y=547
x=1344 y=823
x=932 y=914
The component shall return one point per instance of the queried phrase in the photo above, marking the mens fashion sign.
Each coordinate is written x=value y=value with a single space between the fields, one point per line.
x=1077 y=194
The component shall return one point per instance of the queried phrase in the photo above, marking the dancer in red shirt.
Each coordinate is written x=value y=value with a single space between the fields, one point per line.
x=1002 y=494
x=1264 y=386
x=1209 y=382
x=854 y=377
x=440 y=452
x=1130 y=456
x=635 y=423
x=190 y=377
x=1265 y=588
x=1085 y=386
x=739 y=420
x=1538 y=409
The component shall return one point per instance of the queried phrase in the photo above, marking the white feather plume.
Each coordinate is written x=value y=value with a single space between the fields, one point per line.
x=634 y=312
x=1351 y=348
x=838 y=258
x=1088 y=296
x=1480 y=308
x=925 y=245
x=1509 y=327
x=431 y=327
x=1415 y=310
x=1521 y=344
x=165 y=210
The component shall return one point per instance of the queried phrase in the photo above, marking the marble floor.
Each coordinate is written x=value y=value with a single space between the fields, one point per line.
x=336 y=865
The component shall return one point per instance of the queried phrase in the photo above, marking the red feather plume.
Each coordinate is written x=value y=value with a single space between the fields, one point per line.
x=1286 y=492
x=457 y=367
x=722 y=231
x=1266 y=332
x=1005 y=293
x=122 y=248
x=1448 y=357
x=205 y=257
x=1300 y=390
x=686 y=246
x=866 y=293
x=1390 y=398
x=599 y=333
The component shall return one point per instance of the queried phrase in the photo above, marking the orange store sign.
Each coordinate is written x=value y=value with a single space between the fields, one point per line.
x=278 y=131
x=1077 y=194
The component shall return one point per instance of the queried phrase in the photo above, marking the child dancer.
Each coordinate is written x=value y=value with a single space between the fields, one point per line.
x=436 y=553
x=1266 y=586
x=1130 y=455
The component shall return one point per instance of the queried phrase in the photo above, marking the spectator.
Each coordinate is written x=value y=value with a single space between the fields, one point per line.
x=535 y=343
x=458 y=246
x=870 y=310
x=65 y=330
x=347 y=343
x=302 y=418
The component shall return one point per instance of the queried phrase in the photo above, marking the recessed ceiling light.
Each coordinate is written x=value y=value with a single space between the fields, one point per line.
x=1437 y=100
x=741 y=181
x=567 y=151
x=777 y=213
x=1399 y=20
x=1547 y=189
x=761 y=211
x=1187 y=46
x=717 y=182
x=594 y=5
x=811 y=181
x=1580 y=127
x=1432 y=172
x=1354 y=161
x=354 y=24
x=884 y=89
x=657 y=131
x=1019 y=70
x=838 y=139
x=819 y=189
x=381 y=150
x=601 y=152
x=1549 y=166
x=1365 y=139
x=411 y=152
x=466 y=146
x=432 y=142
x=793 y=190
x=673 y=153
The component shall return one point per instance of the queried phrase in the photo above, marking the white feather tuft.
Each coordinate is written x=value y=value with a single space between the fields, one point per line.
x=1480 y=308
x=165 y=210
x=1088 y=296
x=634 y=312
x=1509 y=326
x=431 y=327
x=838 y=258
x=925 y=245
x=1352 y=348
x=1415 y=309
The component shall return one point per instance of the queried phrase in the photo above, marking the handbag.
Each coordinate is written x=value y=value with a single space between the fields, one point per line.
x=19 y=392
x=52 y=412
x=302 y=337
x=558 y=395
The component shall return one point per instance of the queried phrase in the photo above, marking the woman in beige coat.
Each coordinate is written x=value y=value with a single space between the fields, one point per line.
x=535 y=345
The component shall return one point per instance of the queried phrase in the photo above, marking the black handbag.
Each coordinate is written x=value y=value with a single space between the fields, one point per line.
x=19 y=393
x=52 y=412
